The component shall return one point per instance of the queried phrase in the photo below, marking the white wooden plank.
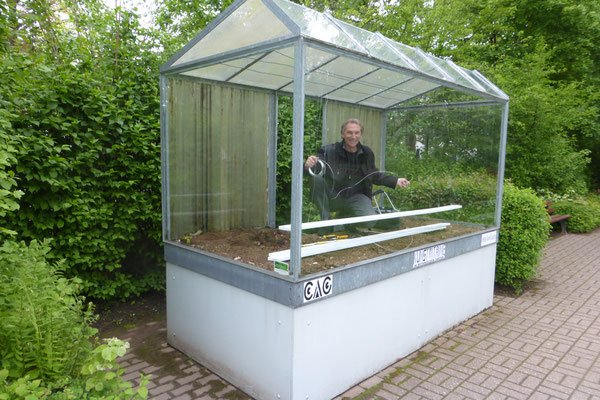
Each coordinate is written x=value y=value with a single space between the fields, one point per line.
x=377 y=217
x=308 y=251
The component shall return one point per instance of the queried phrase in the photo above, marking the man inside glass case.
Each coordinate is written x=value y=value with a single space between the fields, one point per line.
x=344 y=174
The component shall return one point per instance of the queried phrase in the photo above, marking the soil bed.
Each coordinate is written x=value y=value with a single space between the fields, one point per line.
x=252 y=246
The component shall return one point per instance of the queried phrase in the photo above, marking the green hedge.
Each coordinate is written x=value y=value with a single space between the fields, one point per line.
x=584 y=211
x=523 y=235
x=475 y=191
x=9 y=195
x=88 y=168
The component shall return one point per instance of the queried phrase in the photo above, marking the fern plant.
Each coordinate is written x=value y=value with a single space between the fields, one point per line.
x=47 y=345
x=44 y=325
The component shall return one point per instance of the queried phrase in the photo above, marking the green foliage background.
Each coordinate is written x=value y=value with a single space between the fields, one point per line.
x=476 y=191
x=79 y=114
x=80 y=123
x=584 y=212
x=542 y=53
x=312 y=142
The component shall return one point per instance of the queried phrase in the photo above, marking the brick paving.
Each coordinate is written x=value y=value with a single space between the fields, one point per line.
x=543 y=344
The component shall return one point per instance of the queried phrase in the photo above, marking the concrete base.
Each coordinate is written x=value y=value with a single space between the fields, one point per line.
x=320 y=349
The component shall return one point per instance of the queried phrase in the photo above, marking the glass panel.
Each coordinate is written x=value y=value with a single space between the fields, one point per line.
x=375 y=45
x=223 y=71
x=358 y=91
x=217 y=166
x=251 y=23
x=272 y=71
x=407 y=90
x=346 y=68
x=450 y=155
x=333 y=188
x=349 y=93
x=335 y=75
x=491 y=89
x=456 y=169
x=378 y=84
x=456 y=76
x=384 y=79
x=422 y=63
x=317 y=26
x=316 y=58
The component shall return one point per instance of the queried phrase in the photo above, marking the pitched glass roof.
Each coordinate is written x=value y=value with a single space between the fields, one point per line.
x=252 y=43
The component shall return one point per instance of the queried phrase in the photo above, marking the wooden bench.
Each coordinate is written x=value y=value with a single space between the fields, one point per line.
x=554 y=218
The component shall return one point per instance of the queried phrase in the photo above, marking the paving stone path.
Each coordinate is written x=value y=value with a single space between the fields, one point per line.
x=543 y=344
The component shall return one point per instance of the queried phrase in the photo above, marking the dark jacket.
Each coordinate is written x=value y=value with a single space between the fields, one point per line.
x=341 y=173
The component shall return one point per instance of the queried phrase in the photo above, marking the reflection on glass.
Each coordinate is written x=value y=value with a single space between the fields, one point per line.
x=376 y=46
x=317 y=26
x=251 y=23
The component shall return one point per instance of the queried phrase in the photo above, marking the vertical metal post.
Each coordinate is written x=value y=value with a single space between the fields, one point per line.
x=383 y=140
x=297 y=158
x=272 y=162
x=164 y=157
x=324 y=124
x=501 y=159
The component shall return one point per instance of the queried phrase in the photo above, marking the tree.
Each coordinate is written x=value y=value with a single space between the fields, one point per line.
x=541 y=53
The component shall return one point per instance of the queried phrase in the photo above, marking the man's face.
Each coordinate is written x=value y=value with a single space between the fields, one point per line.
x=352 y=135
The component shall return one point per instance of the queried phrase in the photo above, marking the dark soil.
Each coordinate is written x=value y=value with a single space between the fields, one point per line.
x=252 y=246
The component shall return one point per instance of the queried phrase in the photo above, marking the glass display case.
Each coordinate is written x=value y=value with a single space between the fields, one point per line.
x=270 y=83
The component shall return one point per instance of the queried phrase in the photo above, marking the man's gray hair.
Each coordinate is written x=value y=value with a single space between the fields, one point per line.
x=352 y=121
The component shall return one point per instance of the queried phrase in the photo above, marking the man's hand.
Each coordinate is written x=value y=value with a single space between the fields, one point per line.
x=402 y=182
x=311 y=161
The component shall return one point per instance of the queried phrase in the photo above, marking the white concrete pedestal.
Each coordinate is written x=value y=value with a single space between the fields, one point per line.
x=319 y=349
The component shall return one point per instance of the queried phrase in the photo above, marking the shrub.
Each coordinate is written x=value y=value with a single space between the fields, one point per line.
x=523 y=234
x=584 y=211
x=9 y=196
x=475 y=191
x=46 y=343
x=85 y=153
